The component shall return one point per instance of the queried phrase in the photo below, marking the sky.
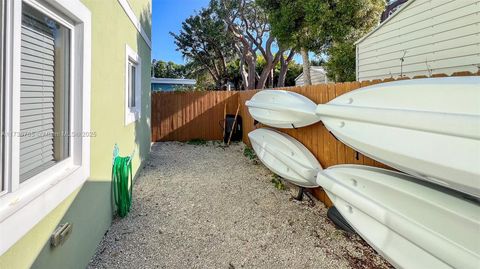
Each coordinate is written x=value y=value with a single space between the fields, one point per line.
x=167 y=16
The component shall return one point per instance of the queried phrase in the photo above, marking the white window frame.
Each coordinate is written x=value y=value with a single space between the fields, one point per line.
x=132 y=114
x=23 y=205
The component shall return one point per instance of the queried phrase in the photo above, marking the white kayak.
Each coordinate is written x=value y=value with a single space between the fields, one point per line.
x=285 y=156
x=282 y=109
x=413 y=224
x=429 y=128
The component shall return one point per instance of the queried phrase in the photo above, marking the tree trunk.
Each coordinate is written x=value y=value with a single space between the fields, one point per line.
x=284 y=68
x=272 y=76
x=307 y=80
x=243 y=73
x=252 y=73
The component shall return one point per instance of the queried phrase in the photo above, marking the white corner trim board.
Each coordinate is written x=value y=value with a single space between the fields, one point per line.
x=136 y=22
x=25 y=204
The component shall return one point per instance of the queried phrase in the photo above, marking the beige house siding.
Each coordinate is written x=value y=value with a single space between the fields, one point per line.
x=317 y=75
x=441 y=36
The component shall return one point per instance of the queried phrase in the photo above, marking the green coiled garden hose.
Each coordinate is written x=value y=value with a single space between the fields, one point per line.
x=122 y=184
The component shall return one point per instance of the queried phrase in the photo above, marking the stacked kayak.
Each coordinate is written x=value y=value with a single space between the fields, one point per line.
x=286 y=157
x=427 y=128
x=282 y=109
x=411 y=223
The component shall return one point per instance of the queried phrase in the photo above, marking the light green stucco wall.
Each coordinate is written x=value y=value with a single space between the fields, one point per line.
x=89 y=209
x=143 y=8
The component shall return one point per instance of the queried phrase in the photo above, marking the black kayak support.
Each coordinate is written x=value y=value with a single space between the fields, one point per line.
x=334 y=215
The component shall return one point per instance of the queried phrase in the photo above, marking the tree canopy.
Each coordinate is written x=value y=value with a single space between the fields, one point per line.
x=161 y=69
x=327 y=27
x=252 y=43
x=204 y=40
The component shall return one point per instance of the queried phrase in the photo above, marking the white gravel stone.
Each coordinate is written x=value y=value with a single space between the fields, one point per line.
x=206 y=206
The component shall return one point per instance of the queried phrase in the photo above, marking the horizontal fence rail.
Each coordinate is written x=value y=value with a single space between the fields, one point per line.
x=178 y=116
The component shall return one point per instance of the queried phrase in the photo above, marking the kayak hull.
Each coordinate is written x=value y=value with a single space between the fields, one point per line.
x=428 y=128
x=402 y=217
x=285 y=156
x=282 y=109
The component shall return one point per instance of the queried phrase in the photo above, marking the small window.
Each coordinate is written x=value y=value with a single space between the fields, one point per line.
x=44 y=92
x=132 y=86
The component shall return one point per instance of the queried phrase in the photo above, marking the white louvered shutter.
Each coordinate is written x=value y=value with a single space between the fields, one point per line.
x=36 y=97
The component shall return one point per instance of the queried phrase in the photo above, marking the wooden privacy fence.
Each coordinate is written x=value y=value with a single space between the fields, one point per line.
x=198 y=115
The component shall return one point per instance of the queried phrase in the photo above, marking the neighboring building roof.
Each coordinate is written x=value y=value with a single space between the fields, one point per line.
x=174 y=81
x=385 y=21
x=391 y=8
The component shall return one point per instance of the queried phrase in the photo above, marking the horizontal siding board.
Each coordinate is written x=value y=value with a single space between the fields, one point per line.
x=453 y=43
x=431 y=58
x=435 y=16
x=460 y=62
x=431 y=37
x=414 y=40
x=467 y=24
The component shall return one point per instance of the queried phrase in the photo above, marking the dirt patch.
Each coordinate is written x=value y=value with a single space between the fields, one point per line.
x=206 y=206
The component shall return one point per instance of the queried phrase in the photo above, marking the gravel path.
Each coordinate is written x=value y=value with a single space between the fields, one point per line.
x=205 y=206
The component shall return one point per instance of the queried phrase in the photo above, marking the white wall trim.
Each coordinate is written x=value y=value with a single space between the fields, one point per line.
x=24 y=207
x=136 y=22
x=133 y=114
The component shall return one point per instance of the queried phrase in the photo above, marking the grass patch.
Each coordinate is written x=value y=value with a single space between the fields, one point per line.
x=277 y=182
x=197 y=142
x=249 y=153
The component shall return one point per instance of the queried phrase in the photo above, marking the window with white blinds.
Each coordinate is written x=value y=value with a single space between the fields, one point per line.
x=45 y=85
x=44 y=92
